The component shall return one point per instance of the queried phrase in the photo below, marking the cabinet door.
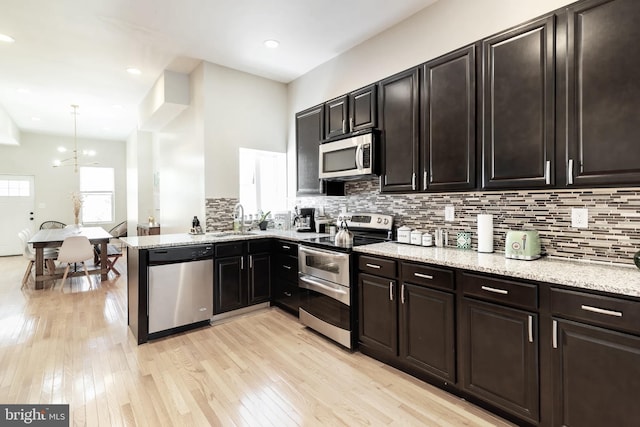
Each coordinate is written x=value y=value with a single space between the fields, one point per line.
x=259 y=278
x=449 y=122
x=603 y=94
x=230 y=288
x=378 y=314
x=398 y=103
x=518 y=116
x=427 y=330
x=597 y=376
x=309 y=133
x=499 y=357
x=336 y=117
x=363 y=109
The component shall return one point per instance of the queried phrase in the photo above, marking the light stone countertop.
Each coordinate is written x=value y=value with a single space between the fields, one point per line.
x=611 y=278
x=183 y=239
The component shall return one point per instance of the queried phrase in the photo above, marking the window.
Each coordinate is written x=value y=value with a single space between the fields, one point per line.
x=97 y=190
x=263 y=181
x=14 y=188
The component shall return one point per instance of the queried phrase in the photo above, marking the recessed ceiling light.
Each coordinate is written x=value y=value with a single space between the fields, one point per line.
x=6 y=39
x=62 y=150
x=133 y=70
x=271 y=44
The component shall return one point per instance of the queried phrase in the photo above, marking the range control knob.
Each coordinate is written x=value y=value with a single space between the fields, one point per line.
x=379 y=220
x=386 y=221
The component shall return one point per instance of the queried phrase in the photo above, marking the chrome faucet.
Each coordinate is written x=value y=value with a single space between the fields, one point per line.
x=236 y=208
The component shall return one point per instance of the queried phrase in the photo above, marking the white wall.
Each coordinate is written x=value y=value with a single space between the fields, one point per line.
x=9 y=132
x=140 y=189
x=53 y=186
x=434 y=31
x=241 y=110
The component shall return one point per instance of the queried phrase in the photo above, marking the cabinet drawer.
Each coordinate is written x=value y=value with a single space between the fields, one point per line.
x=378 y=266
x=286 y=268
x=419 y=274
x=609 y=312
x=229 y=249
x=256 y=246
x=287 y=248
x=507 y=292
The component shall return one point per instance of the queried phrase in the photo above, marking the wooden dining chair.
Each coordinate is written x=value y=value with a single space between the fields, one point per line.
x=52 y=224
x=75 y=249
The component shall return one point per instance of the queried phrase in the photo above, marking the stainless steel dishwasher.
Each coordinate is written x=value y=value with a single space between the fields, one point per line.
x=180 y=288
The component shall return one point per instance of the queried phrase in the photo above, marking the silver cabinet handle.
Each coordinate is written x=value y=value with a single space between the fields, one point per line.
x=413 y=181
x=547 y=172
x=286 y=247
x=601 y=311
x=495 y=290
x=385 y=180
x=424 y=180
x=351 y=124
x=242 y=263
x=570 y=172
x=554 y=338
x=376 y=266
x=424 y=276
x=344 y=126
x=402 y=293
x=530 y=328
x=390 y=291
x=251 y=262
x=288 y=267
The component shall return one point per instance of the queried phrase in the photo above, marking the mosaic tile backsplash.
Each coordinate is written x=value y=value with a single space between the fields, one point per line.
x=613 y=234
x=219 y=213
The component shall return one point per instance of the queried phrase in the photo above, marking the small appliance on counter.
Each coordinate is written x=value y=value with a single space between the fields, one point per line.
x=522 y=245
x=305 y=220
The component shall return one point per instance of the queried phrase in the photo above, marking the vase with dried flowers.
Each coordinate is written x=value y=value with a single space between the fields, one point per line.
x=76 y=198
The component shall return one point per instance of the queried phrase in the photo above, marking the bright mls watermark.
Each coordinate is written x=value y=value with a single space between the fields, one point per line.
x=34 y=415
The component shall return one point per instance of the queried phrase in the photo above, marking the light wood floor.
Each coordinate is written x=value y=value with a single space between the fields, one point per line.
x=261 y=369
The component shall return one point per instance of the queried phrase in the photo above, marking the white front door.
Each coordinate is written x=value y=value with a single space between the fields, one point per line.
x=16 y=211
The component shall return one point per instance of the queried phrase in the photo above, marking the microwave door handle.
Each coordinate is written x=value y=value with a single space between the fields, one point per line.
x=359 y=157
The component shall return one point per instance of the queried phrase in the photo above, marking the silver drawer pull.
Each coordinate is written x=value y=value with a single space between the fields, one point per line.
x=373 y=266
x=288 y=294
x=495 y=290
x=530 y=327
x=423 y=276
x=286 y=247
x=601 y=311
x=288 y=267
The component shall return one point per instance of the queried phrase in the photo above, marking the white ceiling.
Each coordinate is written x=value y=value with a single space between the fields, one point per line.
x=76 y=51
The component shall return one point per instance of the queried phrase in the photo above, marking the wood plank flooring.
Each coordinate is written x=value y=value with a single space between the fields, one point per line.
x=261 y=369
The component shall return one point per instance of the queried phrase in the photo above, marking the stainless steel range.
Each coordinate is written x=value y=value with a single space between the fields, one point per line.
x=327 y=277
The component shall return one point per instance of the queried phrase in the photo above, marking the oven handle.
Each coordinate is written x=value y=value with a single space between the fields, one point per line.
x=337 y=292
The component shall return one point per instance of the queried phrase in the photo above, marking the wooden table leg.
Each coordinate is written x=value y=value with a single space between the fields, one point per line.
x=39 y=268
x=104 y=275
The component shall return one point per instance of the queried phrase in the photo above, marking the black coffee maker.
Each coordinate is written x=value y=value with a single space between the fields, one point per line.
x=305 y=220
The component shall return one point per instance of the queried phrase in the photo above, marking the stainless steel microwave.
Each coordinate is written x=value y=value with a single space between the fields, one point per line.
x=349 y=158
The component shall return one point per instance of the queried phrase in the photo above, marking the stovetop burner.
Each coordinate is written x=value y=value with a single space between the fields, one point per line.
x=367 y=228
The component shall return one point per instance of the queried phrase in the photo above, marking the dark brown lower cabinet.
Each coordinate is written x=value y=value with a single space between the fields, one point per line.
x=378 y=314
x=259 y=278
x=427 y=330
x=229 y=290
x=499 y=357
x=597 y=376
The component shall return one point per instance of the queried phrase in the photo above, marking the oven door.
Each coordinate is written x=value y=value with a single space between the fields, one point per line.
x=328 y=265
x=325 y=307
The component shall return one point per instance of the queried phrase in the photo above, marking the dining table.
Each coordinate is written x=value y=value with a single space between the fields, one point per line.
x=53 y=238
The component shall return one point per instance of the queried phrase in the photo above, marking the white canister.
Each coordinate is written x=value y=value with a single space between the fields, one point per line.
x=416 y=237
x=404 y=234
x=427 y=239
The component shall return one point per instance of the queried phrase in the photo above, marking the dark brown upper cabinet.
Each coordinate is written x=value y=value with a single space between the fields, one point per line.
x=349 y=113
x=337 y=117
x=363 y=108
x=309 y=135
x=603 y=94
x=448 y=117
x=518 y=107
x=398 y=108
